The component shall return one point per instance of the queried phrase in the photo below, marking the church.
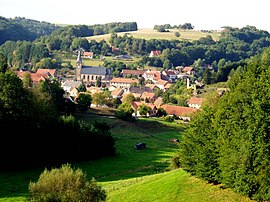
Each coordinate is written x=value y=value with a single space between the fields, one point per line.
x=90 y=74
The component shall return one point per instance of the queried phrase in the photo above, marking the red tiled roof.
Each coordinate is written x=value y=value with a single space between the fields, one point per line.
x=46 y=71
x=147 y=95
x=187 y=69
x=124 y=80
x=179 y=110
x=117 y=92
x=137 y=104
x=196 y=100
x=156 y=52
x=133 y=72
x=35 y=77
x=88 y=54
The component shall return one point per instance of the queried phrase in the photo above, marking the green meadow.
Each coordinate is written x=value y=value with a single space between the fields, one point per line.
x=132 y=175
x=146 y=33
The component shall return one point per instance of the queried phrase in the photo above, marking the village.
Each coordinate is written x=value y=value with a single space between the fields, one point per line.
x=128 y=84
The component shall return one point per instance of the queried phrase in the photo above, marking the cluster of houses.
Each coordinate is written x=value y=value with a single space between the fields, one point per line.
x=127 y=84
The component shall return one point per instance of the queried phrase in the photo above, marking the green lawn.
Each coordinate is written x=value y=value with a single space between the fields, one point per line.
x=132 y=175
x=173 y=186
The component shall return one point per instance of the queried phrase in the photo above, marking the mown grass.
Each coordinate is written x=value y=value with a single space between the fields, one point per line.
x=146 y=33
x=127 y=162
x=173 y=186
x=132 y=175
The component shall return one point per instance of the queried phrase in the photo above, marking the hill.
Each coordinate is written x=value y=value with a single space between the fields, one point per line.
x=23 y=29
x=132 y=175
x=173 y=186
x=147 y=33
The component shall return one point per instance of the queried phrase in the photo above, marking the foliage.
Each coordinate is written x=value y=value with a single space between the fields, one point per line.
x=84 y=101
x=35 y=111
x=65 y=184
x=144 y=109
x=168 y=118
x=125 y=112
x=228 y=141
x=161 y=112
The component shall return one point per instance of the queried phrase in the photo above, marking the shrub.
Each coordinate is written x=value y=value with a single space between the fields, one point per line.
x=65 y=184
x=175 y=162
x=168 y=118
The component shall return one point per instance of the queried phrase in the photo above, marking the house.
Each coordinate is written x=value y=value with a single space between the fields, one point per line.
x=132 y=73
x=169 y=75
x=153 y=87
x=148 y=95
x=195 y=102
x=88 y=55
x=117 y=93
x=47 y=72
x=188 y=70
x=158 y=102
x=139 y=89
x=90 y=74
x=35 y=77
x=184 y=113
x=152 y=75
x=123 y=82
x=70 y=86
x=155 y=53
x=136 y=104
x=161 y=84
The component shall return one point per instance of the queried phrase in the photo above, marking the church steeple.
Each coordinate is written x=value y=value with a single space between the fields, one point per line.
x=79 y=64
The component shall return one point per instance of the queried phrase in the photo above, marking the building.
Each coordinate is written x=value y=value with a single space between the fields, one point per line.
x=195 y=102
x=155 y=53
x=90 y=74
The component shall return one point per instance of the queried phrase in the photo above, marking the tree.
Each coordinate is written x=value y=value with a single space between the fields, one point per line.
x=65 y=184
x=125 y=112
x=3 y=63
x=81 y=88
x=144 y=110
x=177 y=34
x=99 y=98
x=84 y=101
x=129 y=98
x=198 y=146
x=167 y=64
x=161 y=112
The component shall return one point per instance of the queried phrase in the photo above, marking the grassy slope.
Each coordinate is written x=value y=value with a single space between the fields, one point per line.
x=153 y=34
x=173 y=186
x=131 y=175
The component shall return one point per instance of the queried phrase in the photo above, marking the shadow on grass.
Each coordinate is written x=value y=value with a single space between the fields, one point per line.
x=127 y=163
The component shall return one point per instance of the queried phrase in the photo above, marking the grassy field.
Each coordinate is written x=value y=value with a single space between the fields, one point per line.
x=132 y=175
x=153 y=34
x=173 y=186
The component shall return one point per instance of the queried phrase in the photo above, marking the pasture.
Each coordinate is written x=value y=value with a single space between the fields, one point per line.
x=147 y=33
x=132 y=175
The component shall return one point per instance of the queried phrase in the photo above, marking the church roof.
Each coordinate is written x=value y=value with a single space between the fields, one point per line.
x=102 y=71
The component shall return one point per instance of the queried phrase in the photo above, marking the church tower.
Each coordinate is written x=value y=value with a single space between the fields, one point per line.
x=79 y=65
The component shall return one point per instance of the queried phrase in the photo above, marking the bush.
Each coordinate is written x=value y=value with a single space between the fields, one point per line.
x=65 y=184
x=175 y=162
x=168 y=118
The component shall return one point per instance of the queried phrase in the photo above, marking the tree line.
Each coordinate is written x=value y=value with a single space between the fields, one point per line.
x=166 y=27
x=20 y=28
x=228 y=142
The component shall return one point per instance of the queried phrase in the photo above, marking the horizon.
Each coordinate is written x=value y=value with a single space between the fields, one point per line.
x=205 y=15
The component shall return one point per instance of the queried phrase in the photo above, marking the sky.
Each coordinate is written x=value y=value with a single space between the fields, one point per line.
x=202 y=14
